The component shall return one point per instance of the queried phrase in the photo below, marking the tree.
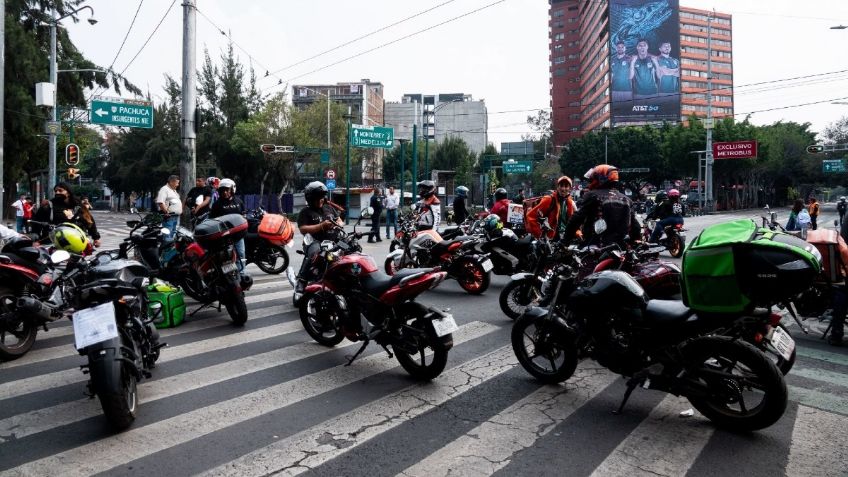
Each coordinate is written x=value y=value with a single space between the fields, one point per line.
x=837 y=131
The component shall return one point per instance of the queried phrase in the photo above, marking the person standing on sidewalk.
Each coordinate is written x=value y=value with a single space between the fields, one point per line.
x=377 y=205
x=169 y=203
x=18 y=205
x=814 y=213
x=392 y=204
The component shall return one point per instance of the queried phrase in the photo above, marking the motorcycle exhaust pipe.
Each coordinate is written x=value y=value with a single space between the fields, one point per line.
x=33 y=307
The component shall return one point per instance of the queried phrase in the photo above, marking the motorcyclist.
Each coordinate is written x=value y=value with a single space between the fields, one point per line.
x=501 y=205
x=551 y=206
x=228 y=203
x=428 y=207
x=460 y=213
x=606 y=215
x=841 y=207
x=318 y=219
x=669 y=211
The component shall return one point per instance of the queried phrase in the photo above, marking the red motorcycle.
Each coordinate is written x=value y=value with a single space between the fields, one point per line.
x=352 y=286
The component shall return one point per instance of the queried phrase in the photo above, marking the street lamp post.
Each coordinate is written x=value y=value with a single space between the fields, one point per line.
x=51 y=181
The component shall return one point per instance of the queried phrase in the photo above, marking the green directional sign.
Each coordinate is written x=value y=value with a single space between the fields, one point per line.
x=834 y=165
x=133 y=114
x=518 y=167
x=371 y=136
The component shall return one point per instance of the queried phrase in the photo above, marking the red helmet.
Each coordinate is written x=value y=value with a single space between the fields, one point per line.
x=674 y=193
x=600 y=175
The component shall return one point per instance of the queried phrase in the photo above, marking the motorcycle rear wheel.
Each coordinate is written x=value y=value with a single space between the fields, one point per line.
x=545 y=351
x=236 y=308
x=118 y=397
x=471 y=276
x=754 y=375
x=17 y=335
x=391 y=268
x=675 y=246
x=271 y=259
x=420 y=334
x=326 y=333
x=517 y=295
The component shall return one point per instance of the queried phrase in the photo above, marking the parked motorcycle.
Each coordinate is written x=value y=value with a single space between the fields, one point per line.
x=656 y=344
x=269 y=254
x=203 y=263
x=673 y=237
x=352 y=287
x=508 y=253
x=112 y=323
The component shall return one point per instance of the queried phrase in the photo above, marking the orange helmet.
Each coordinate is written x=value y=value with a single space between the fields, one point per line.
x=600 y=175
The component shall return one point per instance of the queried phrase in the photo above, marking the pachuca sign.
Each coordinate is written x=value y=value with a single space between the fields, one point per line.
x=121 y=112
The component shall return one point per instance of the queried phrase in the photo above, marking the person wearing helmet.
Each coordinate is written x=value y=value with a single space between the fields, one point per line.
x=669 y=211
x=228 y=203
x=460 y=213
x=501 y=205
x=492 y=225
x=841 y=208
x=606 y=216
x=70 y=238
x=428 y=206
x=66 y=208
x=552 y=206
x=318 y=219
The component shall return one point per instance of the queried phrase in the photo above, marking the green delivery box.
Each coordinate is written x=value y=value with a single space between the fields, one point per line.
x=172 y=299
x=735 y=266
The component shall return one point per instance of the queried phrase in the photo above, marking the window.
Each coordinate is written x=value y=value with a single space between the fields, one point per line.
x=559 y=13
x=573 y=56
x=574 y=43
x=573 y=68
x=574 y=91
x=573 y=32
x=573 y=116
x=572 y=20
x=572 y=8
x=574 y=104
x=559 y=72
x=559 y=37
x=559 y=60
x=559 y=24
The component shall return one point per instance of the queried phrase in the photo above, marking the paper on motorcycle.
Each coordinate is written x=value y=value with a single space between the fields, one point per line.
x=94 y=325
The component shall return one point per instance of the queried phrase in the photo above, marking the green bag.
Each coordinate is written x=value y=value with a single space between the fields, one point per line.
x=172 y=299
x=734 y=266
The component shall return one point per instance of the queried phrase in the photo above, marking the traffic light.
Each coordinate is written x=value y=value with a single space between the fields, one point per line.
x=72 y=154
x=815 y=149
x=73 y=173
x=267 y=148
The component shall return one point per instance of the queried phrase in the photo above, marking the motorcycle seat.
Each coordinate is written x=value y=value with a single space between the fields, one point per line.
x=667 y=312
x=444 y=246
x=379 y=282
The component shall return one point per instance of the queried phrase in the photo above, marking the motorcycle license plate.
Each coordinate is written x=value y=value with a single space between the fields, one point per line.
x=444 y=326
x=229 y=267
x=487 y=265
x=94 y=325
x=782 y=342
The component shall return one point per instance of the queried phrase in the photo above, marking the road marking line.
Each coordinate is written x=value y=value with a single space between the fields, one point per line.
x=818 y=444
x=818 y=399
x=823 y=375
x=820 y=355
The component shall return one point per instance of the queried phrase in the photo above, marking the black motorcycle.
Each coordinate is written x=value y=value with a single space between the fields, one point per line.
x=656 y=344
x=508 y=253
x=525 y=288
x=271 y=258
x=113 y=326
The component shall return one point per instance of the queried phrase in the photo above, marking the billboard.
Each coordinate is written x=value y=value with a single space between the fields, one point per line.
x=735 y=150
x=644 y=61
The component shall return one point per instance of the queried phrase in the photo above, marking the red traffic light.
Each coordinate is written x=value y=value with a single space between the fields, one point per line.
x=72 y=154
x=267 y=148
x=815 y=148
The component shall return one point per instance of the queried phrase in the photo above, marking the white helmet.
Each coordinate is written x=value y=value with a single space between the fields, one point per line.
x=227 y=183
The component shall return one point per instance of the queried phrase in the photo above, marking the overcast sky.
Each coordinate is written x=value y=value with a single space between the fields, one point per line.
x=498 y=53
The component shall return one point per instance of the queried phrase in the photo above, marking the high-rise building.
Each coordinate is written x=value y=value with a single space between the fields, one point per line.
x=440 y=116
x=595 y=84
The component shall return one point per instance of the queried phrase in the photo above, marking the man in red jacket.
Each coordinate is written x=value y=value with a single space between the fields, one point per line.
x=501 y=205
x=550 y=206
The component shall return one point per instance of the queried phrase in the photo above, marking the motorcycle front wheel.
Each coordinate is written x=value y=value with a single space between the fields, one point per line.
x=517 y=295
x=236 y=307
x=545 y=351
x=430 y=354
x=319 y=321
x=271 y=259
x=675 y=245
x=471 y=276
x=116 y=386
x=745 y=390
x=16 y=334
x=391 y=266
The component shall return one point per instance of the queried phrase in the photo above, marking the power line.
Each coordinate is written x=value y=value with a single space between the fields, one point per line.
x=120 y=48
x=149 y=37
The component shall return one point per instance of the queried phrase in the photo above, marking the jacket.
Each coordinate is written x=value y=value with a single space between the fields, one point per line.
x=617 y=211
x=814 y=209
x=548 y=207
x=431 y=213
x=501 y=209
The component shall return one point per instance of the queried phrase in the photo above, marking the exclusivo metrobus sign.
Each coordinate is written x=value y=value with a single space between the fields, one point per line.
x=735 y=150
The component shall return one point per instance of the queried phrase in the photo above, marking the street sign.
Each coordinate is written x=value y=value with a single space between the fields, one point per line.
x=371 y=136
x=330 y=174
x=122 y=112
x=518 y=167
x=72 y=154
x=325 y=157
x=634 y=170
x=815 y=149
x=735 y=150
x=52 y=127
x=331 y=184
x=834 y=165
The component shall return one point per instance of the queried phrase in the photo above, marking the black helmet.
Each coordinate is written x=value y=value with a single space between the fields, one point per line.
x=426 y=189
x=500 y=194
x=314 y=191
x=661 y=196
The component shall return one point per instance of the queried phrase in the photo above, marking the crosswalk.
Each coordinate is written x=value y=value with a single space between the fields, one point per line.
x=266 y=400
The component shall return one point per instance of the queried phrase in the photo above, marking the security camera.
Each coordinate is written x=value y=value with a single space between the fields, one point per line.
x=92 y=21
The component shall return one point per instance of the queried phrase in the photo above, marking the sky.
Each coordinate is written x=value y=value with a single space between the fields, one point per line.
x=495 y=50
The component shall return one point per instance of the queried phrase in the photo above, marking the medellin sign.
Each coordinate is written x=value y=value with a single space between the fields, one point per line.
x=644 y=61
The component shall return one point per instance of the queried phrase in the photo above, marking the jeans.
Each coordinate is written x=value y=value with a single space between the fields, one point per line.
x=240 y=252
x=19 y=224
x=813 y=224
x=375 y=227
x=391 y=220
x=171 y=224
x=661 y=224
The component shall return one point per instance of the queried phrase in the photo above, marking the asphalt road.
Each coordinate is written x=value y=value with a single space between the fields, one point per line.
x=267 y=400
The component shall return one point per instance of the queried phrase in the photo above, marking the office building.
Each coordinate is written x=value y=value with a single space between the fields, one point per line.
x=440 y=116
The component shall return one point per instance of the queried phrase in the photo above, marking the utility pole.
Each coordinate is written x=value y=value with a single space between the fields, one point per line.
x=347 y=171
x=51 y=180
x=188 y=161
x=414 y=156
x=402 y=168
x=709 y=149
x=2 y=105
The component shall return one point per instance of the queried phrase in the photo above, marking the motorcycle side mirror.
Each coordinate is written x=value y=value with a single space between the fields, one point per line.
x=59 y=256
x=367 y=213
x=133 y=223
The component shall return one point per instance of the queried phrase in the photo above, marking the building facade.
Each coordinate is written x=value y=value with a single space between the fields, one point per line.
x=580 y=74
x=441 y=116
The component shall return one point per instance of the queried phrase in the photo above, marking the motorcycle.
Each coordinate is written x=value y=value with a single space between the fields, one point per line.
x=656 y=344
x=673 y=237
x=508 y=253
x=352 y=287
x=425 y=248
x=268 y=254
x=203 y=263
x=112 y=324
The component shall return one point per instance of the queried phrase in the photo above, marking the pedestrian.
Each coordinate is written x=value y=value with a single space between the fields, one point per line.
x=66 y=208
x=392 y=204
x=813 y=209
x=169 y=203
x=792 y=223
x=42 y=215
x=377 y=205
x=519 y=198
x=460 y=212
x=27 y=213
x=199 y=199
x=841 y=207
x=132 y=202
x=18 y=205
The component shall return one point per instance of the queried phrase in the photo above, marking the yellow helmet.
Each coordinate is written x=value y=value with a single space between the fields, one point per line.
x=70 y=238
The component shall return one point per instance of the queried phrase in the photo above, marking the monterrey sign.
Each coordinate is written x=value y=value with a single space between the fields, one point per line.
x=735 y=150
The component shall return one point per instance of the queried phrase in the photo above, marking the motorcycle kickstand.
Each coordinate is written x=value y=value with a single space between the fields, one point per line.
x=205 y=305
x=361 y=349
x=631 y=385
